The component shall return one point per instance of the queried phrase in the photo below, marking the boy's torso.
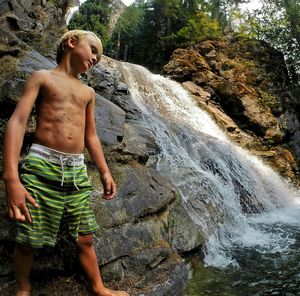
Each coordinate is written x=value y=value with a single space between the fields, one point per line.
x=61 y=112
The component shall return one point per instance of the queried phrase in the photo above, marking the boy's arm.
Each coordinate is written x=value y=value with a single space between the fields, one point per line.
x=94 y=147
x=16 y=193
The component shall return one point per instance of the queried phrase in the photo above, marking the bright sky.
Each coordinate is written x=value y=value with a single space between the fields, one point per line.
x=127 y=2
x=252 y=5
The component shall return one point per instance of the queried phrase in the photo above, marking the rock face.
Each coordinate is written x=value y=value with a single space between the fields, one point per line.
x=244 y=85
x=38 y=23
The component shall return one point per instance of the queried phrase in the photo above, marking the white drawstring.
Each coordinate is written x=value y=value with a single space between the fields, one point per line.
x=62 y=160
x=62 y=171
x=74 y=172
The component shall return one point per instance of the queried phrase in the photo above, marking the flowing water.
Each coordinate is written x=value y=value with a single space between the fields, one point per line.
x=255 y=249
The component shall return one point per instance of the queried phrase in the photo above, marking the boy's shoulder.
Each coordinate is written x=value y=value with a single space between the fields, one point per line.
x=87 y=88
x=42 y=72
x=40 y=75
x=90 y=89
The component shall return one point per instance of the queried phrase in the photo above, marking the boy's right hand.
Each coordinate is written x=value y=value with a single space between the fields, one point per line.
x=16 y=198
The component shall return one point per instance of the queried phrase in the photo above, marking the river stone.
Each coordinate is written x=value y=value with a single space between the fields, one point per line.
x=7 y=227
x=110 y=120
x=143 y=192
x=139 y=141
x=30 y=62
x=185 y=235
x=135 y=264
x=128 y=239
x=106 y=79
x=102 y=79
x=167 y=280
x=126 y=102
x=184 y=63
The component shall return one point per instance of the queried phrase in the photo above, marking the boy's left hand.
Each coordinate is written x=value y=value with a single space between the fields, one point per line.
x=109 y=186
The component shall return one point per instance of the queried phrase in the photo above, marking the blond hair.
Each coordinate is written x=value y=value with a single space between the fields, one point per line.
x=77 y=35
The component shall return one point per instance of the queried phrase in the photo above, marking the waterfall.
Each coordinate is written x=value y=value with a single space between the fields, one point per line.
x=222 y=186
x=71 y=11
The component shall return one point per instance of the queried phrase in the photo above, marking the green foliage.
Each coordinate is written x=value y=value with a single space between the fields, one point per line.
x=94 y=16
x=159 y=27
x=199 y=27
x=151 y=36
x=148 y=31
x=221 y=11
x=269 y=100
x=126 y=31
x=278 y=23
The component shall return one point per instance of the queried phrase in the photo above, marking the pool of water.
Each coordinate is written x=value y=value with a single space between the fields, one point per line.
x=259 y=269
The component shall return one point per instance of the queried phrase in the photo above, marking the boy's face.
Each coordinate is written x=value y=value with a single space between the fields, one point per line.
x=84 y=53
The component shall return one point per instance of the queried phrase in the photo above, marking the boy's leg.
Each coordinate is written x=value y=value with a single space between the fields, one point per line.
x=89 y=262
x=23 y=263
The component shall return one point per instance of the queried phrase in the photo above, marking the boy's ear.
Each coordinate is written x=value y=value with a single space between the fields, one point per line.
x=72 y=41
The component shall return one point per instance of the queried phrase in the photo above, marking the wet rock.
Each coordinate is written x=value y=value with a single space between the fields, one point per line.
x=125 y=102
x=34 y=61
x=110 y=120
x=168 y=279
x=102 y=79
x=142 y=192
x=139 y=141
x=128 y=239
x=185 y=235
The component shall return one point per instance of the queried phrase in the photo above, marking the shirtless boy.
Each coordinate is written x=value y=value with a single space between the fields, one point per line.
x=53 y=186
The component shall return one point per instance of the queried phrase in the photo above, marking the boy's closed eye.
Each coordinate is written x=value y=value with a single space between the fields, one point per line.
x=94 y=50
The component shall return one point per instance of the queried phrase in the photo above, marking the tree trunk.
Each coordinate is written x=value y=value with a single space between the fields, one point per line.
x=125 y=53
x=118 y=46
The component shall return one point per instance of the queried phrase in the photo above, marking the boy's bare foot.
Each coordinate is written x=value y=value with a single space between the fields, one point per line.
x=108 y=292
x=23 y=293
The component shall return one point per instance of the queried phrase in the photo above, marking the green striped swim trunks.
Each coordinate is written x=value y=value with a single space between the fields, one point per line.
x=60 y=185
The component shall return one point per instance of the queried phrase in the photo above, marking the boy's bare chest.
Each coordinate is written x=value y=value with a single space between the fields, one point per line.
x=62 y=91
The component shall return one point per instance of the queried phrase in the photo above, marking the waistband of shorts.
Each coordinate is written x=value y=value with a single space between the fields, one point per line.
x=55 y=156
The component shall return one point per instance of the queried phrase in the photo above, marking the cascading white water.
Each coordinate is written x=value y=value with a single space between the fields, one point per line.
x=221 y=184
x=71 y=11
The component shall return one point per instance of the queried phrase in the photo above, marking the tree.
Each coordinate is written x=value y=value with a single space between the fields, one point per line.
x=199 y=27
x=125 y=31
x=221 y=11
x=278 y=23
x=292 y=8
x=150 y=36
x=93 y=15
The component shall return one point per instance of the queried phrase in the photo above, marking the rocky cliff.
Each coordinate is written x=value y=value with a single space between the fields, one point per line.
x=244 y=84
